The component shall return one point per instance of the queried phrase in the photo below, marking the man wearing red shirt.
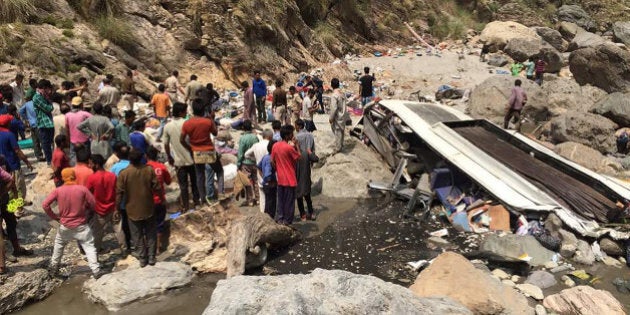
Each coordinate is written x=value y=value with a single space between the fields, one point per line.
x=102 y=184
x=59 y=158
x=284 y=156
x=159 y=198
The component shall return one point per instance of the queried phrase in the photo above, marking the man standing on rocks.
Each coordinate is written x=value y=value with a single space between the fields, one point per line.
x=136 y=186
x=260 y=91
x=18 y=91
x=180 y=157
x=121 y=213
x=294 y=104
x=161 y=104
x=123 y=129
x=173 y=86
x=109 y=96
x=256 y=153
x=73 y=119
x=247 y=140
x=249 y=103
x=193 y=90
x=43 y=111
x=516 y=102
x=279 y=104
x=82 y=170
x=338 y=110
x=366 y=87
x=13 y=154
x=540 y=70
x=284 y=157
x=129 y=90
x=28 y=112
x=74 y=202
x=303 y=170
x=60 y=160
x=159 y=197
x=100 y=129
x=195 y=137
x=102 y=184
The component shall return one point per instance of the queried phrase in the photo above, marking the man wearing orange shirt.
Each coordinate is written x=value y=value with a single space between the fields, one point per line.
x=161 y=104
x=82 y=170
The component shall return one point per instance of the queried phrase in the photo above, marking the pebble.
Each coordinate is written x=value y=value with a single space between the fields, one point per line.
x=540 y=310
x=561 y=268
x=569 y=283
x=622 y=260
x=551 y=264
x=500 y=274
x=531 y=290
x=515 y=278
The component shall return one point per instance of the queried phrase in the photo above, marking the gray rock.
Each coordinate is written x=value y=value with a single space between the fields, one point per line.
x=583 y=300
x=121 y=288
x=552 y=57
x=531 y=290
x=564 y=94
x=575 y=14
x=621 y=32
x=540 y=310
x=553 y=224
x=497 y=61
x=25 y=287
x=611 y=247
x=584 y=39
x=567 y=237
x=568 y=30
x=322 y=292
x=605 y=66
x=541 y=279
x=584 y=254
x=567 y=250
x=553 y=37
x=520 y=49
x=589 y=158
x=589 y=129
x=616 y=107
x=510 y=247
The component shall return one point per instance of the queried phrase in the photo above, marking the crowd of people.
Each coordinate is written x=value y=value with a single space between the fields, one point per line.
x=107 y=169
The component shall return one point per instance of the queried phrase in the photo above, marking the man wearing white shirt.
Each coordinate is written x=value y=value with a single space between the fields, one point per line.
x=256 y=152
x=18 y=90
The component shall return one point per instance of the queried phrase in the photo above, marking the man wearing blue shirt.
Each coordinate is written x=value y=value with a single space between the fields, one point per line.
x=260 y=91
x=28 y=112
x=12 y=153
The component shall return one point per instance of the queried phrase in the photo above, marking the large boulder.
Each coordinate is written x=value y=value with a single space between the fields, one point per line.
x=588 y=157
x=322 y=292
x=523 y=48
x=616 y=107
x=497 y=34
x=121 y=288
x=564 y=94
x=584 y=39
x=489 y=99
x=575 y=14
x=621 y=32
x=589 y=129
x=513 y=248
x=611 y=247
x=568 y=30
x=25 y=287
x=605 y=66
x=553 y=38
x=552 y=57
x=583 y=300
x=460 y=280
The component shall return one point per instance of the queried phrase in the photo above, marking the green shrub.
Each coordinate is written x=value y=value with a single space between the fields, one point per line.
x=89 y=8
x=16 y=10
x=326 y=34
x=68 y=33
x=74 y=67
x=118 y=31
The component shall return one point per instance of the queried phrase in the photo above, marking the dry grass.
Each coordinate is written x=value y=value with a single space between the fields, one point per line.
x=116 y=30
x=16 y=10
x=90 y=8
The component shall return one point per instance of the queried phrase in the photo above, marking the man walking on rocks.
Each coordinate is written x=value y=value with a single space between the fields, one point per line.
x=306 y=143
x=74 y=202
x=173 y=86
x=260 y=91
x=516 y=102
x=179 y=157
x=136 y=185
x=247 y=140
x=279 y=104
x=284 y=157
x=338 y=110
x=102 y=184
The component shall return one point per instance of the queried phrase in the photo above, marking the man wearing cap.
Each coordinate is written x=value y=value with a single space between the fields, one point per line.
x=28 y=112
x=43 y=111
x=75 y=204
x=73 y=119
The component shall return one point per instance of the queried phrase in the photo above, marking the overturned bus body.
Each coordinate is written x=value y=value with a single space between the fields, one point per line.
x=477 y=160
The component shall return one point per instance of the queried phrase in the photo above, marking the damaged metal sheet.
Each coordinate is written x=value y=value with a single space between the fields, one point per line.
x=434 y=125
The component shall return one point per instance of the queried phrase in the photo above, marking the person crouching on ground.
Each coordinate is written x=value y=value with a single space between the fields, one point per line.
x=137 y=183
x=75 y=203
x=284 y=157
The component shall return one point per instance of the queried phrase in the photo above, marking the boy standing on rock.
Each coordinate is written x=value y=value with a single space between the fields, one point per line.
x=74 y=202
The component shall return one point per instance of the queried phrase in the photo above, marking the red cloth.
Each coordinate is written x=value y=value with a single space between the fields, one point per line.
x=198 y=130
x=102 y=185
x=285 y=157
x=59 y=162
x=74 y=202
x=163 y=177
x=5 y=120
x=81 y=173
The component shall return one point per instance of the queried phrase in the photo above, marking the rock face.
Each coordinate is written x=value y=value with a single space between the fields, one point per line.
x=611 y=247
x=322 y=292
x=497 y=34
x=24 y=287
x=575 y=14
x=541 y=279
x=459 y=280
x=121 y=288
x=616 y=107
x=605 y=66
x=522 y=48
x=583 y=300
x=513 y=247
x=584 y=39
x=621 y=31
x=568 y=30
x=589 y=129
x=588 y=157
x=553 y=37
x=488 y=99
